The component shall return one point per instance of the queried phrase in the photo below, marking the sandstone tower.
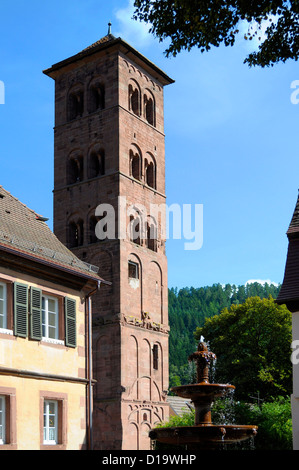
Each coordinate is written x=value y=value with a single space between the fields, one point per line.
x=109 y=149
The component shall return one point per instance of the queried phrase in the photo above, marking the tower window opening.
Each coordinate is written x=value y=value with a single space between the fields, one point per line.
x=75 y=170
x=102 y=233
x=155 y=356
x=135 y=165
x=97 y=98
x=135 y=230
x=133 y=270
x=134 y=99
x=150 y=175
x=76 y=234
x=97 y=164
x=76 y=104
x=152 y=236
x=149 y=109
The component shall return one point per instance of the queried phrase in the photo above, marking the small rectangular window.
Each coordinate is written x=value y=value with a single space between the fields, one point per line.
x=50 y=422
x=2 y=420
x=133 y=270
x=3 y=306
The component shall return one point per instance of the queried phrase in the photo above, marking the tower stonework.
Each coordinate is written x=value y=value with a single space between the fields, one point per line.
x=109 y=174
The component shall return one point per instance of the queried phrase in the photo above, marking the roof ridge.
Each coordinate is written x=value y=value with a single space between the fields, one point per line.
x=104 y=39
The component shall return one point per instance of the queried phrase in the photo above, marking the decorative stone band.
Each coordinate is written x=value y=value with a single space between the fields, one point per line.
x=145 y=323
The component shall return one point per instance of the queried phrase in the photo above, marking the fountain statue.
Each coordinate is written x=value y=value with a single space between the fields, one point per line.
x=204 y=434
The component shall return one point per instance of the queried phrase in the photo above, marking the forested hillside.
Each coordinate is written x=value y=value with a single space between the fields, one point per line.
x=188 y=308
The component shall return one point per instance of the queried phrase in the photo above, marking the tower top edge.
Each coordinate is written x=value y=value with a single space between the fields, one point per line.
x=106 y=44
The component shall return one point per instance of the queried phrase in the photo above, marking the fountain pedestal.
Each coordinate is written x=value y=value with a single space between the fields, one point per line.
x=204 y=434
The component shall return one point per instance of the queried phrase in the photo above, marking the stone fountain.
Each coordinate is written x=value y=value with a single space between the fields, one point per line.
x=204 y=434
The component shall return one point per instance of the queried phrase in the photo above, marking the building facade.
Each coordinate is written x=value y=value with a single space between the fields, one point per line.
x=109 y=209
x=45 y=341
x=289 y=295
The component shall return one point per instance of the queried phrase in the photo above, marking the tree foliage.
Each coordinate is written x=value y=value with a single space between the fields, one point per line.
x=207 y=23
x=188 y=309
x=252 y=342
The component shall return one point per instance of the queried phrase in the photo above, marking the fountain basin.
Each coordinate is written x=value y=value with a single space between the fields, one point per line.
x=202 y=390
x=203 y=434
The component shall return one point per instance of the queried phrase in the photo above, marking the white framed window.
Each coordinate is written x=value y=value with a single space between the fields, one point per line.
x=3 y=306
x=2 y=420
x=50 y=317
x=50 y=422
x=133 y=270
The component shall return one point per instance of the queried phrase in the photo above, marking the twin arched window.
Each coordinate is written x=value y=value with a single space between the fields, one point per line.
x=76 y=236
x=77 y=103
x=144 y=232
x=75 y=165
x=138 y=172
x=145 y=107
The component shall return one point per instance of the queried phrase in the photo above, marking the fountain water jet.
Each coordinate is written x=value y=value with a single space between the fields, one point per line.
x=204 y=434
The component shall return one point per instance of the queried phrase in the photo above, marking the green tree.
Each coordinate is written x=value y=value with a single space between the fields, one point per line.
x=189 y=307
x=274 y=421
x=207 y=23
x=252 y=342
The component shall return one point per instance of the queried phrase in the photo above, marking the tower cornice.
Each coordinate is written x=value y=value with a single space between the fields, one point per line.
x=118 y=44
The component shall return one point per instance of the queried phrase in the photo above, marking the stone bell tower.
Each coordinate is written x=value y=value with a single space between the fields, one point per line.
x=109 y=173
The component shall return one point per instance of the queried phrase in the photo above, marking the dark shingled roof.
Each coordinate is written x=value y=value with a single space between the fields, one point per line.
x=103 y=40
x=294 y=225
x=289 y=292
x=26 y=232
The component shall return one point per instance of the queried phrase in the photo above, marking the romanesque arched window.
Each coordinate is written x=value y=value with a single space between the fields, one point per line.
x=75 y=103
x=96 y=97
x=151 y=234
x=135 y=163
x=135 y=229
x=134 y=98
x=150 y=170
x=149 y=107
x=103 y=229
x=75 y=169
x=96 y=164
x=75 y=233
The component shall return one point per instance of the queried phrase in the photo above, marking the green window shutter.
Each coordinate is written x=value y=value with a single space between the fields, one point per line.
x=35 y=313
x=20 y=310
x=70 y=322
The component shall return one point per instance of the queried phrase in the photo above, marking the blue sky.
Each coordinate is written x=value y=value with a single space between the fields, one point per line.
x=231 y=134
